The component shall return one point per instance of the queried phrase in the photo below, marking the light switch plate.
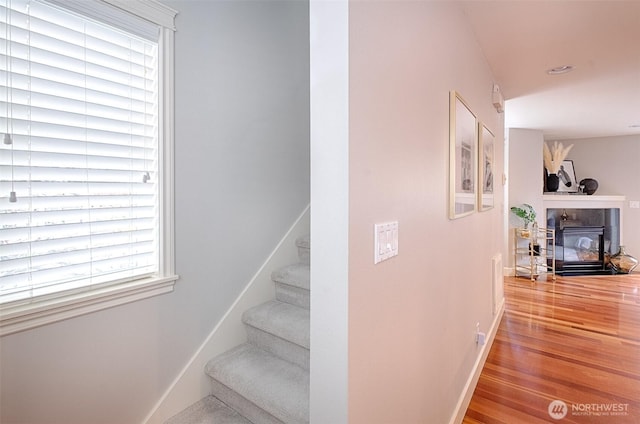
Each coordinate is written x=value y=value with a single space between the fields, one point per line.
x=386 y=241
x=634 y=204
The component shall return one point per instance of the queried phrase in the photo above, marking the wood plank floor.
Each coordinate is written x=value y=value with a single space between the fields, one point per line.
x=576 y=340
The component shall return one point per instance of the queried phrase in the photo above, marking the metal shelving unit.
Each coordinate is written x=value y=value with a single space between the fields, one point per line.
x=534 y=252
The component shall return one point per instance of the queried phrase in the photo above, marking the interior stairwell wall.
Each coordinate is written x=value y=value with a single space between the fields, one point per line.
x=412 y=318
x=193 y=384
x=242 y=178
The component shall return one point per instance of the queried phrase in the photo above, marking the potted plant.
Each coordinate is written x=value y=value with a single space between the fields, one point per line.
x=528 y=215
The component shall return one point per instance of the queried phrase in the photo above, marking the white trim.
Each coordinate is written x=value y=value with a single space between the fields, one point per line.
x=141 y=17
x=570 y=198
x=192 y=384
x=329 y=117
x=20 y=317
x=150 y=10
x=166 y=157
x=467 y=393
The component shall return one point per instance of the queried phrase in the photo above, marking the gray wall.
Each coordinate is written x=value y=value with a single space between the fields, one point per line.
x=242 y=178
x=612 y=161
x=615 y=163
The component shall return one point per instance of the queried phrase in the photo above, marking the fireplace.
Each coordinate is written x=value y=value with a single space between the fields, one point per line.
x=584 y=239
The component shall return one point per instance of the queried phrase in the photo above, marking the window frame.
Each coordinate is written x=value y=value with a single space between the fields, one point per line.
x=41 y=310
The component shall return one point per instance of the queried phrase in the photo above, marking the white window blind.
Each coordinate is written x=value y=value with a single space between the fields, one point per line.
x=79 y=102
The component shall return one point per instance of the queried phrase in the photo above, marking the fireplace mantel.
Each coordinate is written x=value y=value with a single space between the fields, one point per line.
x=582 y=201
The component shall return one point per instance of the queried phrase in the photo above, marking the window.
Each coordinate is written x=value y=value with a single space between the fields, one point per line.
x=86 y=157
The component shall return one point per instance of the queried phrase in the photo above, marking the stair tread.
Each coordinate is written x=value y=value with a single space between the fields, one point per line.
x=275 y=385
x=296 y=275
x=304 y=241
x=207 y=411
x=281 y=319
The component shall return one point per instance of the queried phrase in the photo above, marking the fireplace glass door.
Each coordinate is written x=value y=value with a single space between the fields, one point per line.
x=583 y=238
x=580 y=249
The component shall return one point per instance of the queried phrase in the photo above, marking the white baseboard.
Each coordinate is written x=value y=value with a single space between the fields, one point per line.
x=192 y=384
x=470 y=386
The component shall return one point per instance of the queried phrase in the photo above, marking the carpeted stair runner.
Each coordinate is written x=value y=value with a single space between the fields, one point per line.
x=208 y=410
x=265 y=380
x=281 y=329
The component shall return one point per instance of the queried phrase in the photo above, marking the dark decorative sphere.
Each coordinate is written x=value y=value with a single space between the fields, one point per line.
x=590 y=185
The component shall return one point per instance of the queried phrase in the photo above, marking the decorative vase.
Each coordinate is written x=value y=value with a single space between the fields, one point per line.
x=533 y=245
x=525 y=232
x=589 y=185
x=553 y=182
x=622 y=262
x=535 y=248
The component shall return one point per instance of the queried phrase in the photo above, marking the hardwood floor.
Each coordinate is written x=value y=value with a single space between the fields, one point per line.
x=576 y=340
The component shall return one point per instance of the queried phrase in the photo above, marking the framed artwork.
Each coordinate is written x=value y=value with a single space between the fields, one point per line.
x=567 y=176
x=486 y=141
x=463 y=148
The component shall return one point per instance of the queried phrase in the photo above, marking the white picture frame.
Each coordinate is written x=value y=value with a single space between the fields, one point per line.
x=463 y=159
x=486 y=166
x=567 y=175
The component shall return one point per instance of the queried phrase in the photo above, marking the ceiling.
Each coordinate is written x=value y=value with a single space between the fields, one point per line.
x=521 y=40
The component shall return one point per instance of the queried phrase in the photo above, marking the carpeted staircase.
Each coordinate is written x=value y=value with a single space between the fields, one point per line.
x=266 y=379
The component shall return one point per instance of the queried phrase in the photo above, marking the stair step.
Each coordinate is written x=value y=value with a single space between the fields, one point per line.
x=297 y=275
x=208 y=411
x=281 y=319
x=292 y=285
x=304 y=249
x=260 y=386
x=280 y=328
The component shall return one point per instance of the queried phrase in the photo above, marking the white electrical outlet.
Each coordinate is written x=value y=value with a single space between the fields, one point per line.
x=386 y=241
x=481 y=338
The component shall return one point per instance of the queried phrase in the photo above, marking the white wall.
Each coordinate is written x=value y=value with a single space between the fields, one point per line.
x=412 y=319
x=615 y=163
x=242 y=178
x=525 y=180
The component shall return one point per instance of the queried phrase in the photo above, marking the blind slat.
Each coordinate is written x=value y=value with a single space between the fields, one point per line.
x=75 y=100
x=44 y=254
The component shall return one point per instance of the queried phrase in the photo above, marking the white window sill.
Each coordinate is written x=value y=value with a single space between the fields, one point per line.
x=20 y=316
